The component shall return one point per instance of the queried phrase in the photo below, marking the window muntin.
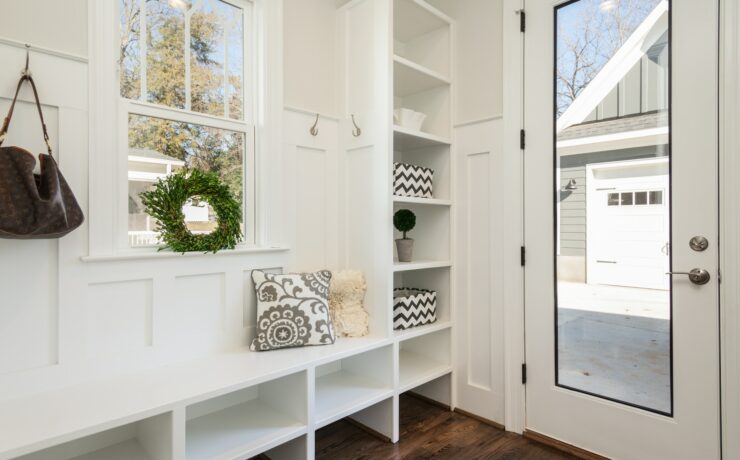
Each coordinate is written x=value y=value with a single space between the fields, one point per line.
x=203 y=73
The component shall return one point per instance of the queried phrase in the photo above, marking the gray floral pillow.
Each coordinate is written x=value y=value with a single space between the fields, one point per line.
x=292 y=310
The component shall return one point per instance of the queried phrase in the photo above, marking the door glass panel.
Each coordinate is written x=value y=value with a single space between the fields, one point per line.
x=612 y=178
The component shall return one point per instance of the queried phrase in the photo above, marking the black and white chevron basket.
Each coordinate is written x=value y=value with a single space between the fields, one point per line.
x=413 y=307
x=411 y=180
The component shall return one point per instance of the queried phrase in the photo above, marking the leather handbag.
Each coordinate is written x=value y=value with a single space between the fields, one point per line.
x=33 y=206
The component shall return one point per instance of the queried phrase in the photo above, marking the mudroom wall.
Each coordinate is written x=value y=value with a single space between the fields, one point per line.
x=69 y=313
x=311 y=90
x=482 y=224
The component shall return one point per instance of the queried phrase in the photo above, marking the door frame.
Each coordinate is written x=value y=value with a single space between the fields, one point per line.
x=729 y=213
x=513 y=119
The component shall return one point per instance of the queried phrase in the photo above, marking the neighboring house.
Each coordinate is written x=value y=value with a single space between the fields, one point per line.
x=612 y=144
x=144 y=168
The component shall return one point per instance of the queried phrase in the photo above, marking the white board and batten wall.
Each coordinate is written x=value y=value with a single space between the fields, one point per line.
x=62 y=314
x=487 y=198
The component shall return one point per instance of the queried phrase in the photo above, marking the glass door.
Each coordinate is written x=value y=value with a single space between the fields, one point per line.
x=621 y=224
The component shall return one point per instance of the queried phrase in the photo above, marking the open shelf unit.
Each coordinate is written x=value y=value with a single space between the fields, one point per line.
x=348 y=385
x=406 y=139
x=249 y=421
x=410 y=77
x=426 y=201
x=419 y=265
x=422 y=65
x=422 y=79
x=237 y=404
x=424 y=358
x=147 y=439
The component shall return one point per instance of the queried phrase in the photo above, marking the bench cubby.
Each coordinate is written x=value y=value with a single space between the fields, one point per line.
x=248 y=422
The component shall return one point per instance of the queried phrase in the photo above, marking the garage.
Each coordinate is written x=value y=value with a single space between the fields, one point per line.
x=628 y=223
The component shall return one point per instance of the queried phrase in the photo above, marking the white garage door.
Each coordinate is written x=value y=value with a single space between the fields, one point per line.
x=627 y=224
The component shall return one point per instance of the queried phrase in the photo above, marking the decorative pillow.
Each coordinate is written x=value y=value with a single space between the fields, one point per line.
x=292 y=310
x=346 y=297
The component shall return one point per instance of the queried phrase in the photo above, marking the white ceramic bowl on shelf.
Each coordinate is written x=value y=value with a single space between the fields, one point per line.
x=409 y=119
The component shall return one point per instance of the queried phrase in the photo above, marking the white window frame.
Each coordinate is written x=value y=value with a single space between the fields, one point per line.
x=128 y=107
x=108 y=132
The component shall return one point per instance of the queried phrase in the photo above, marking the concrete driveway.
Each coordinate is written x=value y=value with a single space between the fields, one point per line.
x=615 y=342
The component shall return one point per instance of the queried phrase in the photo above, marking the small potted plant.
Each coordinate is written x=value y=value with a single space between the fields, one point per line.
x=404 y=220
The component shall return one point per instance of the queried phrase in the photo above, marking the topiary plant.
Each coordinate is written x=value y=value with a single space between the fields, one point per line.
x=404 y=220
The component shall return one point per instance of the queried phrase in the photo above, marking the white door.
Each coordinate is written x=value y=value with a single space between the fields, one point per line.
x=628 y=224
x=617 y=367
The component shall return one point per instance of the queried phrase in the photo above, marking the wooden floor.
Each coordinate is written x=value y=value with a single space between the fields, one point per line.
x=428 y=431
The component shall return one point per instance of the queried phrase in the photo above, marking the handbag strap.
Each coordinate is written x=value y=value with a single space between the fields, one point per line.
x=4 y=130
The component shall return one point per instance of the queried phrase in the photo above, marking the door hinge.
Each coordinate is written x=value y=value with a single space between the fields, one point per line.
x=522 y=139
x=522 y=20
x=524 y=373
x=523 y=255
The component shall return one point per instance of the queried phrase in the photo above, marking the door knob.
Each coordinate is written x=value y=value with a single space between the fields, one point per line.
x=696 y=275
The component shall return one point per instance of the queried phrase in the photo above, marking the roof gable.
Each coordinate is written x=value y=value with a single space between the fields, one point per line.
x=647 y=34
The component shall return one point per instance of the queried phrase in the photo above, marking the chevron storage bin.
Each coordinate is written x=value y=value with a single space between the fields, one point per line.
x=412 y=180
x=413 y=307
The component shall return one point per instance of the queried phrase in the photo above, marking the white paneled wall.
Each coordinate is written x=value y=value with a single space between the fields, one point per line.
x=48 y=23
x=309 y=44
x=64 y=319
x=312 y=189
x=480 y=274
x=29 y=274
x=478 y=57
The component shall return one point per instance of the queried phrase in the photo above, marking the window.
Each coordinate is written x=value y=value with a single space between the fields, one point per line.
x=185 y=89
x=641 y=198
x=656 y=197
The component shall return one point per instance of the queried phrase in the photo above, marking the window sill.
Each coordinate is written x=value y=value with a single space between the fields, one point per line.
x=143 y=255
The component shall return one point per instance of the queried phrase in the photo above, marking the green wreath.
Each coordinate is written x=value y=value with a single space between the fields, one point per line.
x=165 y=202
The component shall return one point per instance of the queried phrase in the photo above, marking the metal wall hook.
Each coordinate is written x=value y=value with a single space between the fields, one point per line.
x=27 y=71
x=356 y=131
x=314 y=130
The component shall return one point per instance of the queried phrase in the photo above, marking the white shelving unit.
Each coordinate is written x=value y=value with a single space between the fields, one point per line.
x=148 y=439
x=409 y=139
x=422 y=81
x=349 y=385
x=404 y=334
x=248 y=422
x=242 y=430
x=424 y=358
x=415 y=200
x=420 y=265
x=410 y=77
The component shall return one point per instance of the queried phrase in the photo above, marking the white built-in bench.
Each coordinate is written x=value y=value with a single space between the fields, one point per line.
x=230 y=405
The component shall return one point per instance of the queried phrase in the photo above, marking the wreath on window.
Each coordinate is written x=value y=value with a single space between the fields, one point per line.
x=166 y=200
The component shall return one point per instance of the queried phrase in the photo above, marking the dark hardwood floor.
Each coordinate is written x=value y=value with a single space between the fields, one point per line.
x=428 y=431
